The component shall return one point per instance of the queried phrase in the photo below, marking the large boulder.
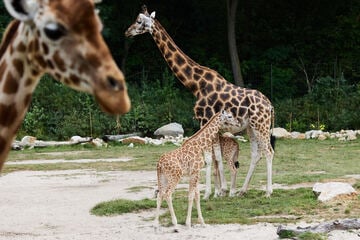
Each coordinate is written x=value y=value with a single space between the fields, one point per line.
x=281 y=133
x=171 y=129
x=330 y=190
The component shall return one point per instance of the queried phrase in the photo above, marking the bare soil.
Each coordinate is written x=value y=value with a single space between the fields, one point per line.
x=56 y=205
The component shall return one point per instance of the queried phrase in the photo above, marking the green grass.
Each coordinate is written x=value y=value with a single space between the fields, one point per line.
x=296 y=161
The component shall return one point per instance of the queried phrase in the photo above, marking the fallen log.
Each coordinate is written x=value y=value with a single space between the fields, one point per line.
x=33 y=143
x=107 y=138
x=345 y=224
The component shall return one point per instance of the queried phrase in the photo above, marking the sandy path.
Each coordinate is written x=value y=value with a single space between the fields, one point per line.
x=55 y=205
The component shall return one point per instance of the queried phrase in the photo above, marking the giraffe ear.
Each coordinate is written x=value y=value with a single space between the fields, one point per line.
x=23 y=10
x=152 y=15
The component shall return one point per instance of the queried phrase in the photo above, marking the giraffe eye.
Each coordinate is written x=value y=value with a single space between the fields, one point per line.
x=54 y=31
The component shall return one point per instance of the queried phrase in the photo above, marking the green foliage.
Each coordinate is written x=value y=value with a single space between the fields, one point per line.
x=333 y=104
x=159 y=102
x=58 y=112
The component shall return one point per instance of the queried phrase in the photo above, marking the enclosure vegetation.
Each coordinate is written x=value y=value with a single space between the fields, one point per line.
x=303 y=55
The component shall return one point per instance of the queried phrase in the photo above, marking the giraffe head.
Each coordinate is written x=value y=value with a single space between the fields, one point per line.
x=228 y=123
x=143 y=24
x=63 y=38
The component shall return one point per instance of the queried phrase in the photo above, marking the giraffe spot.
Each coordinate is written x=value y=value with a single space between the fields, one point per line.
x=212 y=98
x=218 y=106
x=224 y=96
x=3 y=66
x=34 y=46
x=181 y=78
x=21 y=47
x=192 y=87
x=41 y=61
x=50 y=64
x=8 y=114
x=27 y=100
x=2 y=144
x=227 y=89
x=163 y=37
x=209 y=76
x=93 y=60
x=234 y=101
x=168 y=55
x=227 y=105
x=196 y=77
x=170 y=63
x=29 y=82
x=199 y=112
x=187 y=71
x=45 y=48
x=202 y=84
x=19 y=66
x=34 y=72
x=11 y=84
x=175 y=70
x=179 y=60
x=162 y=47
x=219 y=86
x=233 y=92
x=208 y=112
x=245 y=102
x=59 y=61
x=234 y=111
x=242 y=111
x=198 y=71
x=74 y=79
x=171 y=46
x=209 y=88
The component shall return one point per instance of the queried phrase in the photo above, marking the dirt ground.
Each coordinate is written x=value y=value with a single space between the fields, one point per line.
x=55 y=205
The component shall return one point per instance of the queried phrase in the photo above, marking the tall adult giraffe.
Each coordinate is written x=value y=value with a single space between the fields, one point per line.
x=62 y=38
x=253 y=110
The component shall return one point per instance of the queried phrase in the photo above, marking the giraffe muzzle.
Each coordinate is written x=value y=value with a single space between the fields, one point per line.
x=113 y=96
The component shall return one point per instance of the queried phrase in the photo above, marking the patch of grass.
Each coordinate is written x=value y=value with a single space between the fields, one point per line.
x=145 y=157
x=121 y=206
x=244 y=210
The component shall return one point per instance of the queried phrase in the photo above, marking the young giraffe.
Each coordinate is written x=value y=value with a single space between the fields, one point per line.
x=230 y=152
x=253 y=110
x=188 y=159
x=62 y=38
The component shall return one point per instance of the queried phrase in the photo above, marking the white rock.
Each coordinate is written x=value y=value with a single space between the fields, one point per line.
x=281 y=133
x=171 y=129
x=327 y=191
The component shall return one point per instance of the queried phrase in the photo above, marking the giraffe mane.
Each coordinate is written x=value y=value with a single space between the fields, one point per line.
x=8 y=36
x=201 y=130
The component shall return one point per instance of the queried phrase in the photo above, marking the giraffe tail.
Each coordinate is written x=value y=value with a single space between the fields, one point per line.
x=272 y=137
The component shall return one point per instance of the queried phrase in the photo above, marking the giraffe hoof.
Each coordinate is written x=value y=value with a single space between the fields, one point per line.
x=241 y=193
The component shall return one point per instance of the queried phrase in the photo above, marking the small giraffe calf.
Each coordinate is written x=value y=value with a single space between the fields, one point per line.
x=230 y=152
x=188 y=159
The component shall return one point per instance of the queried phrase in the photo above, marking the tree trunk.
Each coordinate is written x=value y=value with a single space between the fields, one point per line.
x=234 y=57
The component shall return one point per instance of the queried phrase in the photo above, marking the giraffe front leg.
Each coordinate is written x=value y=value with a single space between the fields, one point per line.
x=218 y=158
x=208 y=161
x=190 y=204
x=216 y=178
x=255 y=157
x=198 y=206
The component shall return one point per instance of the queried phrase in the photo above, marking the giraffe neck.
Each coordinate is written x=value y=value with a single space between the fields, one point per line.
x=17 y=82
x=180 y=64
x=206 y=135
